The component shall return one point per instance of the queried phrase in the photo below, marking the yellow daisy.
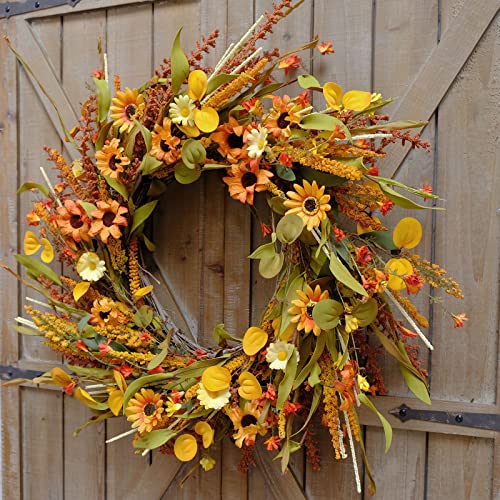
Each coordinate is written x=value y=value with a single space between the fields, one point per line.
x=246 y=424
x=127 y=105
x=303 y=307
x=111 y=160
x=145 y=410
x=164 y=146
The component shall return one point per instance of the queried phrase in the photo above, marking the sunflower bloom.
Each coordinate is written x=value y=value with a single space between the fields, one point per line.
x=108 y=312
x=309 y=202
x=107 y=220
x=111 y=160
x=244 y=180
x=164 y=146
x=303 y=307
x=126 y=106
x=145 y=410
x=73 y=221
x=229 y=137
x=246 y=424
x=281 y=116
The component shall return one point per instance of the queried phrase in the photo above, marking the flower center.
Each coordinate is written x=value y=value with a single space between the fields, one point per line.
x=248 y=179
x=108 y=218
x=282 y=120
x=309 y=310
x=114 y=161
x=130 y=110
x=149 y=409
x=164 y=146
x=76 y=221
x=92 y=265
x=248 y=420
x=282 y=355
x=185 y=112
x=310 y=205
x=235 y=141
x=261 y=144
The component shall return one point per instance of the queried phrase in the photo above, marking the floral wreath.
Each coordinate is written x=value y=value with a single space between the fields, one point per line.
x=341 y=275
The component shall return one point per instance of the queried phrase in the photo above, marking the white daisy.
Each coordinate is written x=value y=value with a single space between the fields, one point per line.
x=278 y=354
x=182 y=110
x=90 y=267
x=213 y=400
x=257 y=142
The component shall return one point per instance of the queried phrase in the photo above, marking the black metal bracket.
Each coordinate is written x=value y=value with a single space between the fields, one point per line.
x=10 y=372
x=490 y=421
x=9 y=9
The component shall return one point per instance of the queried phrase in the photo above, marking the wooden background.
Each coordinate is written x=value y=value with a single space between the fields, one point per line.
x=440 y=58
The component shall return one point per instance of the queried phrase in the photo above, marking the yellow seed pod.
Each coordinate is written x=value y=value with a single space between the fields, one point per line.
x=357 y=100
x=407 y=233
x=216 y=378
x=249 y=386
x=197 y=84
x=31 y=243
x=206 y=119
x=333 y=94
x=366 y=229
x=47 y=254
x=206 y=432
x=398 y=269
x=254 y=340
x=185 y=447
x=84 y=397
x=60 y=377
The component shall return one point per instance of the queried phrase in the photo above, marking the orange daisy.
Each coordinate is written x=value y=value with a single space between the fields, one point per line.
x=309 y=202
x=164 y=144
x=127 y=105
x=73 y=221
x=281 y=116
x=107 y=220
x=244 y=180
x=246 y=424
x=145 y=410
x=303 y=307
x=111 y=160
x=229 y=137
x=108 y=312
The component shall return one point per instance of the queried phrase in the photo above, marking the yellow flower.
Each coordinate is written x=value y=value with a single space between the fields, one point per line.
x=164 y=146
x=309 y=202
x=185 y=447
x=254 y=340
x=246 y=423
x=407 y=233
x=127 y=105
x=172 y=407
x=213 y=400
x=208 y=463
x=111 y=159
x=145 y=410
x=303 y=308
x=206 y=432
x=363 y=383
x=357 y=100
x=249 y=386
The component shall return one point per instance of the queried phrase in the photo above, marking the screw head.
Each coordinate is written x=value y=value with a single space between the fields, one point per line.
x=459 y=419
x=37 y=4
x=7 y=9
x=402 y=412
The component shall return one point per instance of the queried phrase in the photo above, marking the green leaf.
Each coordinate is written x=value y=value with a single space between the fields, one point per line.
x=331 y=343
x=94 y=420
x=287 y=383
x=415 y=385
x=322 y=121
x=318 y=351
x=146 y=134
x=185 y=175
x=142 y=213
x=158 y=359
x=193 y=153
x=385 y=424
x=117 y=186
x=99 y=373
x=403 y=201
x=270 y=267
x=326 y=313
x=344 y=276
x=154 y=439
x=289 y=228
x=103 y=98
x=130 y=141
x=318 y=392
x=103 y=135
x=196 y=369
x=179 y=64
x=268 y=89
x=392 y=182
x=149 y=244
x=143 y=317
x=322 y=178
x=149 y=164
x=265 y=251
x=136 y=385
x=24 y=330
x=221 y=335
x=217 y=81
x=366 y=312
x=88 y=207
x=398 y=125
x=285 y=173
x=308 y=81
x=381 y=238
x=28 y=186
x=156 y=188
x=37 y=268
x=276 y=204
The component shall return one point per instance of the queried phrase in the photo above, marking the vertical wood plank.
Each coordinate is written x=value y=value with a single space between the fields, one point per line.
x=9 y=353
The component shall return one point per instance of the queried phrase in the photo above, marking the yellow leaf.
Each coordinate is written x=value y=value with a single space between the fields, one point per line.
x=249 y=386
x=60 y=377
x=366 y=229
x=120 y=380
x=254 y=340
x=206 y=432
x=80 y=290
x=138 y=294
x=333 y=94
x=31 y=243
x=48 y=252
x=357 y=100
x=206 y=119
x=185 y=447
x=197 y=84
x=83 y=396
x=115 y=401
x=216 y=378
x=189 y=131
x=407 y=233
x=398 y=269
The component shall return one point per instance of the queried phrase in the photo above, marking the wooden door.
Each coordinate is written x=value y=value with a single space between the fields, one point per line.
x=441 y=60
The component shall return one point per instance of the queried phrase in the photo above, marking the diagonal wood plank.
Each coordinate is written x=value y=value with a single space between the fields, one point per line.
x=442 y=67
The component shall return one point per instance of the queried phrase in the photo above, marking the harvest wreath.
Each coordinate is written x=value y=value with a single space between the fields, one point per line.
x=341 y=275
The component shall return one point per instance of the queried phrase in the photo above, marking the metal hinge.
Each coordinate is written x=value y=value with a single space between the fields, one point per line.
x=9 y=9
x=10 y=372
x=490 y=421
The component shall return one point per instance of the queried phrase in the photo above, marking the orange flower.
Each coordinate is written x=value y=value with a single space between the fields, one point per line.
x=290 y=63
x=73 y=221
x=145 y=410
x=107 y=219
x=346 y=387
x=326 y=48
x=164 y=144
x=229 y=137
x=414 y=283
x=281 y=116
x=272 y=443
x=303 y=307
x=111 y=160
x=107 y=312
x=459 y=319
x=246 y=424
x=127 y=105
x=244 y=180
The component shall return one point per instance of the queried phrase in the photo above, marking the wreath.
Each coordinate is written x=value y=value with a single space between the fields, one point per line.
x=343 y=280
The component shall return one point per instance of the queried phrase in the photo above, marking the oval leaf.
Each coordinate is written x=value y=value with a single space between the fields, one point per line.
x=154 y=439
x=103 y=98
x=270 y=267
x=37 y=268
x=193 y=153
x=179 y=64
x=185 y=175
x=308 y=81
x=80 y=290
x=344 y=276
x=289 y=228
x=365 y=313
x=407 y=233
x=326 y=313
x=142 y=213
